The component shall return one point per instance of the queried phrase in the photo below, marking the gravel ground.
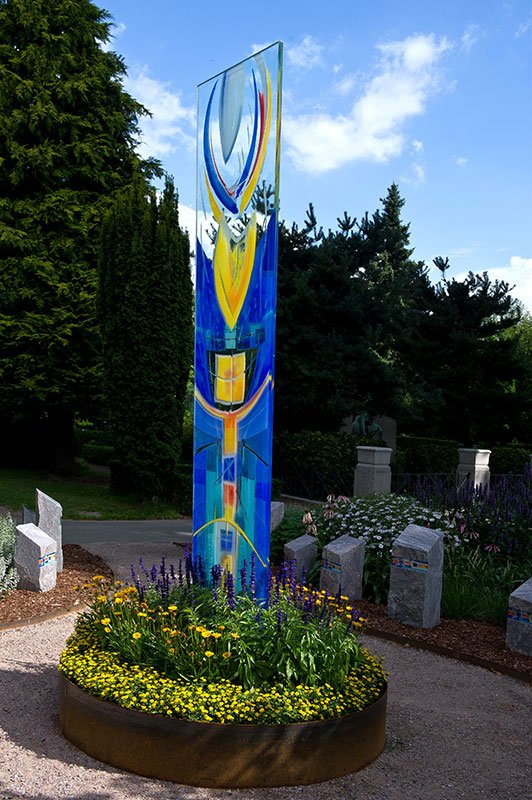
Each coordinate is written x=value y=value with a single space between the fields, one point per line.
x=454 y=731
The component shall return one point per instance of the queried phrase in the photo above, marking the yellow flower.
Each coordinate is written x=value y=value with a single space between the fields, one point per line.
x=172 y=608
x=76 y=588
x=102 y=598
x=137 y=635
x=234 y=635
x=209 y=653
x=141 y=614
x=206 y=634
x=221 y=627
x=105 y=621
x=118 y=600
x=98 y=578
x=216 y=635
x=226 y=655
x=107 y=630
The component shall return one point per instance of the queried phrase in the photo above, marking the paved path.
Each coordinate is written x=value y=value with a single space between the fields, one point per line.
x=122 y=543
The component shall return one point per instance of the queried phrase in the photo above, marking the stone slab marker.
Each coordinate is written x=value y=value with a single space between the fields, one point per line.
x=35 y=558
x=48 y=513
x=27 y=515
x=277 y=514
x=519 y=619
x=416 y=577
x=342 y=566
x=373 y=473
x=304 y=550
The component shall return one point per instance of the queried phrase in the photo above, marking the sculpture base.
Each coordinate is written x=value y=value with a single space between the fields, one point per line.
x=220 y=756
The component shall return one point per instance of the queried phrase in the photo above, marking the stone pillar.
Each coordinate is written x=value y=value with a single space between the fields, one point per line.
x=48 y=512
x=519 y=619
x=416 y=577
x=303 y=550
x=373 y=473
x=342 y=567
x=277 y=514
x=35 y=558
x=473 y=467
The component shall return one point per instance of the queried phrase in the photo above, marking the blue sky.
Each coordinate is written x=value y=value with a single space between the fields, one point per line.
x=436 y=96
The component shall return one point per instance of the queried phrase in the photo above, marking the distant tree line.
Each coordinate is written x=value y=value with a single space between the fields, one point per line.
x=360 y=328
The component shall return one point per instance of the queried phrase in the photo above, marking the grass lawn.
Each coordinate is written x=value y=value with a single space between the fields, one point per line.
x=88 y=493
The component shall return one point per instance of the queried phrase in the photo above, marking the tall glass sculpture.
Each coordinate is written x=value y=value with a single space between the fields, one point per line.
x=239 y=116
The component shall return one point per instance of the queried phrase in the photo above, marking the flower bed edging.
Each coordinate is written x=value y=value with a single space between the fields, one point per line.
x=216 y=755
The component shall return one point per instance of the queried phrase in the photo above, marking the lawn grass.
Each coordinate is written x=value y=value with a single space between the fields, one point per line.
x=90 y=492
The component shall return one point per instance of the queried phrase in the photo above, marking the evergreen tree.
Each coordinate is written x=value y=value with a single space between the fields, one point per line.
x=347 y=302
x=465 y=365
x=67 y=137
x=145 y=305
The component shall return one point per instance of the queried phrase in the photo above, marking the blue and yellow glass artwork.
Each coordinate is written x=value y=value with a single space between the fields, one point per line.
x=239 y=116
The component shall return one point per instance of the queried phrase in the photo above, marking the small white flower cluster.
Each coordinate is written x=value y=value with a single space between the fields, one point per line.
x=378 y=519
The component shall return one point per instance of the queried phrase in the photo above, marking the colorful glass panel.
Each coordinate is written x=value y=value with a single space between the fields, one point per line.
x=239 y=116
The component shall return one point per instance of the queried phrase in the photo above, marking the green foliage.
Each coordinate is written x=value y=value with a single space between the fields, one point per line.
x=467 y=374
x=8 y=571
x=67 y=136
x=327 y=460
x=423 y=455
x=97 y=453
x=345 y=302
x=186 y=631
x=477 y=584
x=511 y=458
x=145 y=304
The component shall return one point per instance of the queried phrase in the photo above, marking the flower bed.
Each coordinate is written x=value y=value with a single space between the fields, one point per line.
x=173 y=648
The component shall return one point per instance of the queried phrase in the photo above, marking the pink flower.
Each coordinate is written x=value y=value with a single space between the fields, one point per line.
x=492 y=548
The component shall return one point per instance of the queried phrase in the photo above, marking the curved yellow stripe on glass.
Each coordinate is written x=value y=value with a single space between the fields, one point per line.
x=232 y=268
x=241 y=412
x=246 y=197
x=239 y=530
x=214 y=207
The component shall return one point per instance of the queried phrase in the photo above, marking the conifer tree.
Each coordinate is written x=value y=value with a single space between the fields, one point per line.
x=67 y=136
x=145 y=306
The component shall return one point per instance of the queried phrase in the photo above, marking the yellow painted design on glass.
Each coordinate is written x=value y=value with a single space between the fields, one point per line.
x=238 y=529
x=233 y=264
x=230 y=378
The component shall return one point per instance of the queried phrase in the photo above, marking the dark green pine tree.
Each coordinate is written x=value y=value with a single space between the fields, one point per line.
x=465 y=365
x=67 y=136
x=145 y=305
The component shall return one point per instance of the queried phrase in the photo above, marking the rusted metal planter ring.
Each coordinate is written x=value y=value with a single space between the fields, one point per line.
x=220 y=756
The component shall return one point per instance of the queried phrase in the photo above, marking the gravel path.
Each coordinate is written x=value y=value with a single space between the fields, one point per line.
x=454 y=731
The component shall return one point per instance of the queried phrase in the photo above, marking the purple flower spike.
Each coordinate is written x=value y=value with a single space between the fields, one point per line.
x=244 y=578
x=230 y=591
x=252 y=578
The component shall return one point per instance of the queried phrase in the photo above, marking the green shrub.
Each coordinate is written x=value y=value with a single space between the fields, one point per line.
x=422 y=455
x=509 y=458
x=313 y=463
x=97 y=453
x=8 y=572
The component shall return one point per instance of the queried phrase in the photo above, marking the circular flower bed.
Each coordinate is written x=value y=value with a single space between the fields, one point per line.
x=180 y=650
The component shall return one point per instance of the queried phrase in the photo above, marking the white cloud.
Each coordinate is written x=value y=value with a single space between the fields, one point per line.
x=464 y=252
x=345 y=85
x=405 y=77
x=519 y=274
x=306 y=54
x=171 y=122
x=417 y=145
x=470 y=37
x=460 y=161
x=523 y=28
